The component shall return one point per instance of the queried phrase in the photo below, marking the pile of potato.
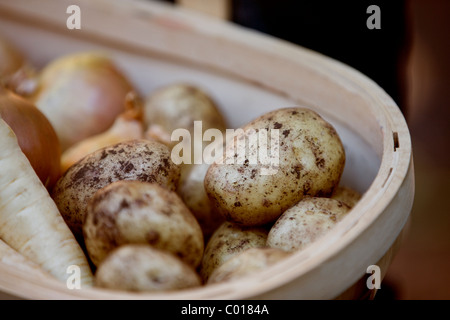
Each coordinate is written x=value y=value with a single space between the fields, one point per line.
x=148 y=224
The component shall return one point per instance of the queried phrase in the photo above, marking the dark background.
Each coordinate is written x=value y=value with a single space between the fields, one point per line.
x=338 y=29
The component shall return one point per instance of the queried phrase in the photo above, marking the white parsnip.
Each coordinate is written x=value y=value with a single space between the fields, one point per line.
x=30 y=222
x=11 y=257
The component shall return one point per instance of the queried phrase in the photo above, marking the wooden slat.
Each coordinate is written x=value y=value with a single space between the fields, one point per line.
x=217 y=8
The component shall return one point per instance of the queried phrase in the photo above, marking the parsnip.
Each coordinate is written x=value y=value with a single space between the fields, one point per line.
x=30 y=222
x=11 y=257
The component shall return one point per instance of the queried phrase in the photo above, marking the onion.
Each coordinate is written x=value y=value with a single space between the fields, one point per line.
x=35 y=135
x=81 y=95
x=127 y=126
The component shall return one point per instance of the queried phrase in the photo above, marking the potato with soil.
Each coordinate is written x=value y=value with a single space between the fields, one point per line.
x=141 y=268
x=304 y=223
x=141 y=160
x=307 y=159
x=228 y=240
x=247 y=263
x=192 y=190
x=347 y=195
x=127 y=212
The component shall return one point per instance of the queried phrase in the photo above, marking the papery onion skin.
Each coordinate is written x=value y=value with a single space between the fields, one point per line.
x=127 y=126
x=35 y=134
x=81 y=95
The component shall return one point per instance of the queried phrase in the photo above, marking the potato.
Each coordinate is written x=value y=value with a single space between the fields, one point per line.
x=228 y=240
x=311 y=160
x=247 y=263
x=347 y=195
x=304 y=223
x=129 y=160
x=141 y=268
x=192 y=190
x=177 y=106
x=141 y=212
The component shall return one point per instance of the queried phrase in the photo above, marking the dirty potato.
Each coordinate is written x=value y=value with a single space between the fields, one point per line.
x=347 y=195
x=130 y=160
x=228 y=240
x=247 y=263
x=306 y=158
x=304 y=223
x=141 y=268
x=140 y=212
x=177 y=106
x=192 y=190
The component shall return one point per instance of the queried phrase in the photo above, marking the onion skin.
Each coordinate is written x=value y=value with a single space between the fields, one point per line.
x=36 y=136
x=81 y=95
x=127 y=126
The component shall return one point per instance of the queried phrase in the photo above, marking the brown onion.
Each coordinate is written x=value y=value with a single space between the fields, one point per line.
x=35 y=135
x=81 y=95
x=127 y=126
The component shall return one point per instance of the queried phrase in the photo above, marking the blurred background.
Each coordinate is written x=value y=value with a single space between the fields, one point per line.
x=409 y=57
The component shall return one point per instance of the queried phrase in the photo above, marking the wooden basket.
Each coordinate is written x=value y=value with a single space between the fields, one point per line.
x=248 y=74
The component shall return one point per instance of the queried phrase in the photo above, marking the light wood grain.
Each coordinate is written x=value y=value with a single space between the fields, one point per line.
x=250 y=73
x=217 y=8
